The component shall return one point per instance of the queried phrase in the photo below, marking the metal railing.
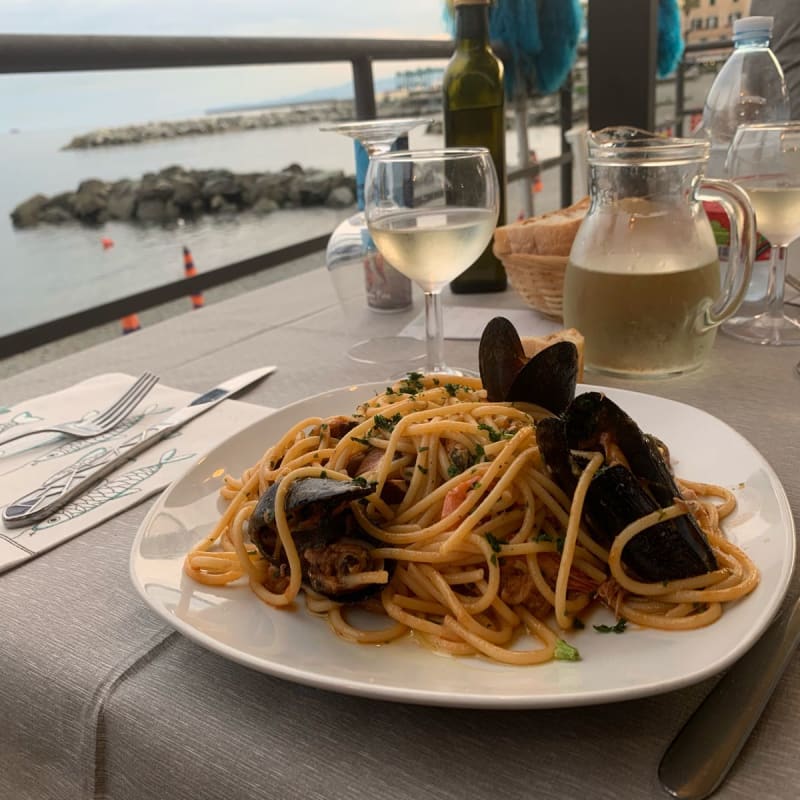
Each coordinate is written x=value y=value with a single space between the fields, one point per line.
x=43 y=53
x=21 y=53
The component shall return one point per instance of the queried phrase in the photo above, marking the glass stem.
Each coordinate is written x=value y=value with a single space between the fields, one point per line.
x=434 y=333
x=777 y=282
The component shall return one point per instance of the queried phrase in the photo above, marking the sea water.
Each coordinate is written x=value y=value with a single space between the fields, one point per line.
x=49 y=271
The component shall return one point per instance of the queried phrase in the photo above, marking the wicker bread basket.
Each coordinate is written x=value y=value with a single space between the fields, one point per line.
x=534 y=253
x=539 y=281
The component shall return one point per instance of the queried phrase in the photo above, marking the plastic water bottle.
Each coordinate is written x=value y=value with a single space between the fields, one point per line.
x=750 y=87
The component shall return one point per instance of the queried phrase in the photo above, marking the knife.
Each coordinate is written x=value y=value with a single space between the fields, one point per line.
x=704 y=750
x=68 y=484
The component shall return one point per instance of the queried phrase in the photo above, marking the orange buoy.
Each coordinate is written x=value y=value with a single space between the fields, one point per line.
x=107 y=243
x=189 y=271
x=130 y=323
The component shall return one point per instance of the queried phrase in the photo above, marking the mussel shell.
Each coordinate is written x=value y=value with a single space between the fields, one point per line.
x=348 y=547
x=308 y=497
x=547 y=380
x=617 y=495
x=666 y=551
x=500 y=358
x=593 y=415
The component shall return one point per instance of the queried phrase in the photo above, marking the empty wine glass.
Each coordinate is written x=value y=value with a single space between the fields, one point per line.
x=764 y=160
x=360 y=275
x=432 y=213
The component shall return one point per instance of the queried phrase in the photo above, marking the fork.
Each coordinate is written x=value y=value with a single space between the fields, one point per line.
x=103 y=422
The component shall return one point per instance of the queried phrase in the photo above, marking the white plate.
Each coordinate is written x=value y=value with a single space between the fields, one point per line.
x=298 y=646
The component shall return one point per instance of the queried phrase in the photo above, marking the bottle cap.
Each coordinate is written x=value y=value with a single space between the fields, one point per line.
x=747 y=27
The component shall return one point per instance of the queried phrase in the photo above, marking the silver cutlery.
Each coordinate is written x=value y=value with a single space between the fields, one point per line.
x=705 y=749
x=70 y=483
x=103 y=422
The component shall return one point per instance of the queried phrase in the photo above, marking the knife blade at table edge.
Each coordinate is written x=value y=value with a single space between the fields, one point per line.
x=51 y=496
x=704 y=750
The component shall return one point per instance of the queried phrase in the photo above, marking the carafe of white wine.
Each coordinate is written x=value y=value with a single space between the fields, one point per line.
x=643 y=281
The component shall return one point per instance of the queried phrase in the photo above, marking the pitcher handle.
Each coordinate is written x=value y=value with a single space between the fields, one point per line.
x=736 y=204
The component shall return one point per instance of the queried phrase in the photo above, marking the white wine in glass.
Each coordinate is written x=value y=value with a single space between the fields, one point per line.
x=764 y=160
x=431 y=213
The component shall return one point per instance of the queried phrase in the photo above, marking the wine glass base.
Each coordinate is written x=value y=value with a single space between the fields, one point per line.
x=777 y=331
x=393 y=352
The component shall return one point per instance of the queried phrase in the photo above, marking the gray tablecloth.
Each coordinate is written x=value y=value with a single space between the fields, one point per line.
x=98 y=698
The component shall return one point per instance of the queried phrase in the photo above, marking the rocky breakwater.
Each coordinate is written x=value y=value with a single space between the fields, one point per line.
x=175 y=193
x=333 y=111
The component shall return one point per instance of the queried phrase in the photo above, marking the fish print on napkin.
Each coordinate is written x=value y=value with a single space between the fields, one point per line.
x=28 y=463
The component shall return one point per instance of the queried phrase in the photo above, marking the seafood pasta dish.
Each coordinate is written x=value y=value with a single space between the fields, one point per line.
x=478 y=516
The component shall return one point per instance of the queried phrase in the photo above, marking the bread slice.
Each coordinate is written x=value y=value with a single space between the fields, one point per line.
x=548 y=234
x=534 y=344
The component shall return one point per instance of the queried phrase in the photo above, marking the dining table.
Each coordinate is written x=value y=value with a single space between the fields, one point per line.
x=100 y=697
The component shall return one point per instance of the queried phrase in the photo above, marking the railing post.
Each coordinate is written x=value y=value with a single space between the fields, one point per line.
x=680 y=100
x=565 y=120
x=364 y=87
x=623 y=38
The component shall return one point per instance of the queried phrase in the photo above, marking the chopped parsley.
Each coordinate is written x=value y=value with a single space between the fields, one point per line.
x=423 y=470
x=618 y=628
x=387 y=424
x=544 y=537
x=454 y=470
x=560 y=544
x=493 y=542
x=323 y=474
x=578 y=623
x=565 y=652
x=411 y=384
x=365 y=442
x=493 y=559
x=494 y=434
x=360 y=480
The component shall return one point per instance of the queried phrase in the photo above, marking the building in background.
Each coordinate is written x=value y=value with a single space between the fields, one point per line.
x=711 y=20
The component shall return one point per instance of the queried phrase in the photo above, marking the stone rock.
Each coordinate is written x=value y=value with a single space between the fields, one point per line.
x=174 y=192
x=222 y=184
x=90 y=201
x=151 y=210
x=26 y=214
x=265 y=205
x=55 y=215
x=122 y=200
x=340 y=197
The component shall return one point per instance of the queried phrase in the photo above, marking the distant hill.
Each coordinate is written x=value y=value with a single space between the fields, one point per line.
x=342 y=92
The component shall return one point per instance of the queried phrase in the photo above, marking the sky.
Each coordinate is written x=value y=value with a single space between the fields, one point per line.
x=30 y=102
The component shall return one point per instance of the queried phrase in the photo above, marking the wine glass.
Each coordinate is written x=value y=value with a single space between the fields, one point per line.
x=764 y=160
x=432 y=213
x=358 y=271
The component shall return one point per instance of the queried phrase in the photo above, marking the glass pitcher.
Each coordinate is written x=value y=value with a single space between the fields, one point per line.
x=643 y=281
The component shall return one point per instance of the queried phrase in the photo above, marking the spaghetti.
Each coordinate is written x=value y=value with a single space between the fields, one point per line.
x=471 y=543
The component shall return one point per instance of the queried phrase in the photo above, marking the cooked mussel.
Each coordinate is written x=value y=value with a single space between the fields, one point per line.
x=547 y=380
x=634 y=481
x=331 y=545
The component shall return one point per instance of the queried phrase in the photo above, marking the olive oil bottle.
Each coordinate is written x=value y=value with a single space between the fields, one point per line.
x=474 y=116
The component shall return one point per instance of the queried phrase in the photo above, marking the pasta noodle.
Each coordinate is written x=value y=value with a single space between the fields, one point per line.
x=471 y=543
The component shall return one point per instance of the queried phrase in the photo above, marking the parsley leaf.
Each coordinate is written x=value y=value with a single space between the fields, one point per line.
x=566 y=652
x=618 y=628
x=493 y=542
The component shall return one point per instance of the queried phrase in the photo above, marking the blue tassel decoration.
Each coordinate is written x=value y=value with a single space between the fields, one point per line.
x=670 y=37
x=542 y=39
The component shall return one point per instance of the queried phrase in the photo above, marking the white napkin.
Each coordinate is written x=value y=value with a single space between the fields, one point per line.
x=26 y=463
x=468 y=322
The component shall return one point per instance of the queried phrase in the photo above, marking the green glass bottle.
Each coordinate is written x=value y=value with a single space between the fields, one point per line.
x=474 y=115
